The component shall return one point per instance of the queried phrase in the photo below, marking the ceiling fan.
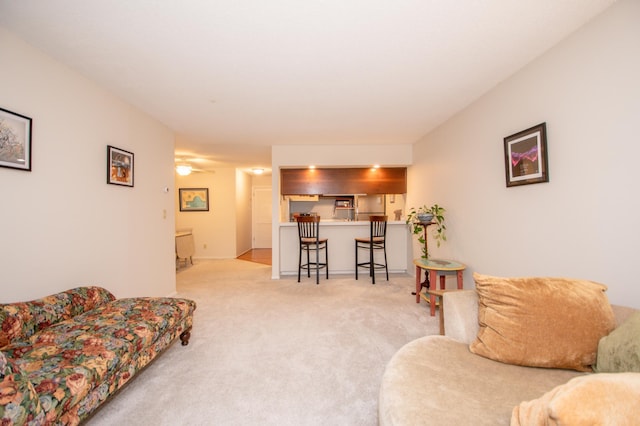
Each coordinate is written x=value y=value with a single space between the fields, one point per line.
x=185 y=168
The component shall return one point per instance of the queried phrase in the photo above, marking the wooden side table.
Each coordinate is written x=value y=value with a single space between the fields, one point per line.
x=435 y=267
x=435 y=296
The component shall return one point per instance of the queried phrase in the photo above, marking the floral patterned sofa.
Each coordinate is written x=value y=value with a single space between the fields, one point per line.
x=64 y=355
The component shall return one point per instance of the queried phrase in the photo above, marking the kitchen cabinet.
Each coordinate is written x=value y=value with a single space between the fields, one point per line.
x=303 y=198
x=384 y=180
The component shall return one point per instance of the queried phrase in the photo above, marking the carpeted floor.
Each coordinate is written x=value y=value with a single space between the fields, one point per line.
x=274 y=352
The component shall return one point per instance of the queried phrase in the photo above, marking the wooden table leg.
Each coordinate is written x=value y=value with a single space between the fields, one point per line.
x=418 y=284
x=441 y=320
x=432 y=298
x=459 y=274
x=442 y=281
x=435 y=297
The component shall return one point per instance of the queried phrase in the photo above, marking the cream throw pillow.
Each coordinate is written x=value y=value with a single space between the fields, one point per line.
x=541 y=322
x=595 y=399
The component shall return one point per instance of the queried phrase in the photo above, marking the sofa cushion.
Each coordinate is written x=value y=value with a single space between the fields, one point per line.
x=19 y=403
x=620 y=350
x=541 y=322
x=435 y=380
x=595 y=399
x=21 y=320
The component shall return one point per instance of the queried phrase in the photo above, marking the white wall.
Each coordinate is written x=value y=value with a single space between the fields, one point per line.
x=581 y=224
x=339 y=156
x=61 y=225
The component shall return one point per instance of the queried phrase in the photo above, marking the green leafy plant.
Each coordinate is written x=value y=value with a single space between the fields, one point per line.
x=417 y=226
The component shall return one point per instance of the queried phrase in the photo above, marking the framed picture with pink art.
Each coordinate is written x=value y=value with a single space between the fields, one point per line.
x=119 y=166
x=15 y=140
x=525 y=156
x=194 y=199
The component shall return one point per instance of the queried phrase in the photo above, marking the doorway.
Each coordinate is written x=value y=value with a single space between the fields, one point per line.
x=261 y=217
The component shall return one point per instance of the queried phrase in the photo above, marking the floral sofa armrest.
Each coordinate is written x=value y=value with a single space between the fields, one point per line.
x=21 y=320
x=19 y=402
x=461 y=315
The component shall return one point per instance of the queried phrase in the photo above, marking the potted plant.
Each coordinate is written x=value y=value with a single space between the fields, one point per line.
x=420 y=218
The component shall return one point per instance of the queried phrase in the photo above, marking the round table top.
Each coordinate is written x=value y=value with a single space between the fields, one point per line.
x=439 y=264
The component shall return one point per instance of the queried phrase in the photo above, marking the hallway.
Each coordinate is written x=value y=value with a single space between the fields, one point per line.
x=262 y=255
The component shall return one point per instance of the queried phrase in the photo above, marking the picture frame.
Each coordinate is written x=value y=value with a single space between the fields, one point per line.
x=15 y=140
x=120 y=166
x=194 y=199
x=525 y=156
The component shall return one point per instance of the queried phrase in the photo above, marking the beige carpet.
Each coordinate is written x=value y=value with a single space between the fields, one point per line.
x=274 y=352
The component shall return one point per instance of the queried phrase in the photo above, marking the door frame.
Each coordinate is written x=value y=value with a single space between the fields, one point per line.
x=254 y=217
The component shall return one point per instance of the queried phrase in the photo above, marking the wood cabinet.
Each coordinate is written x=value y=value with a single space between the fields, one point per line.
x=384 y=180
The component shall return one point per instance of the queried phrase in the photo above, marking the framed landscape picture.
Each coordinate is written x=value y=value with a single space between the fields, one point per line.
x=119 y=166
x=194 y=199
x=15 y=140
x=525 y=156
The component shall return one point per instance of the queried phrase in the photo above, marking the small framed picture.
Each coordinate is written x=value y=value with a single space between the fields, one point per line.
x=119 y=166
x=15 y=140
x=525 y=156
x=194 y=199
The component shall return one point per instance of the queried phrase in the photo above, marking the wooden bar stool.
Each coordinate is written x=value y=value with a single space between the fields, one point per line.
x=377 y=240
x=310 y=241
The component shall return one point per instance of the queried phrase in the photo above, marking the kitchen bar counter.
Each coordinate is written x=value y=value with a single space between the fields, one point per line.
x=341 y=235
x=340 y=222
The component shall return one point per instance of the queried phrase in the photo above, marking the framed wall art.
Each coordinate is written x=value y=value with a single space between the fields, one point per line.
x=119 y=166
x=194 y=199
x=15 y=140
x=525 y=156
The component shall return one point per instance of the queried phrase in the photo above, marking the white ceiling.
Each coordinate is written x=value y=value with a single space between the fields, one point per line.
x=233 y=77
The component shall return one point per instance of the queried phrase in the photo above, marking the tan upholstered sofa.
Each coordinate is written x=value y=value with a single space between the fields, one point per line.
x=437 y=380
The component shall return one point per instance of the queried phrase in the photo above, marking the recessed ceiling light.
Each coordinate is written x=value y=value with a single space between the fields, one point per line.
x=257 y=171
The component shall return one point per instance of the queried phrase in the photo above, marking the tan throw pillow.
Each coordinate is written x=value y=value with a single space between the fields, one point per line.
x=541 y=322
x=595 y=399
x=620 y=350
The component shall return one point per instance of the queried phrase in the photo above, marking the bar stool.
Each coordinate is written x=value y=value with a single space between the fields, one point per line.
x=308 y=235
x=376 y=241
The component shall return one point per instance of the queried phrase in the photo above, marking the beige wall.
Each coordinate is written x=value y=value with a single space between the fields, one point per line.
x=61 y=225
x=243 y=212
x=583 y=223
x=213 y=231
x=224 y=232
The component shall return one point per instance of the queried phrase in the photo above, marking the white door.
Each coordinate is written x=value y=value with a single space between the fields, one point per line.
x=261 y=217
